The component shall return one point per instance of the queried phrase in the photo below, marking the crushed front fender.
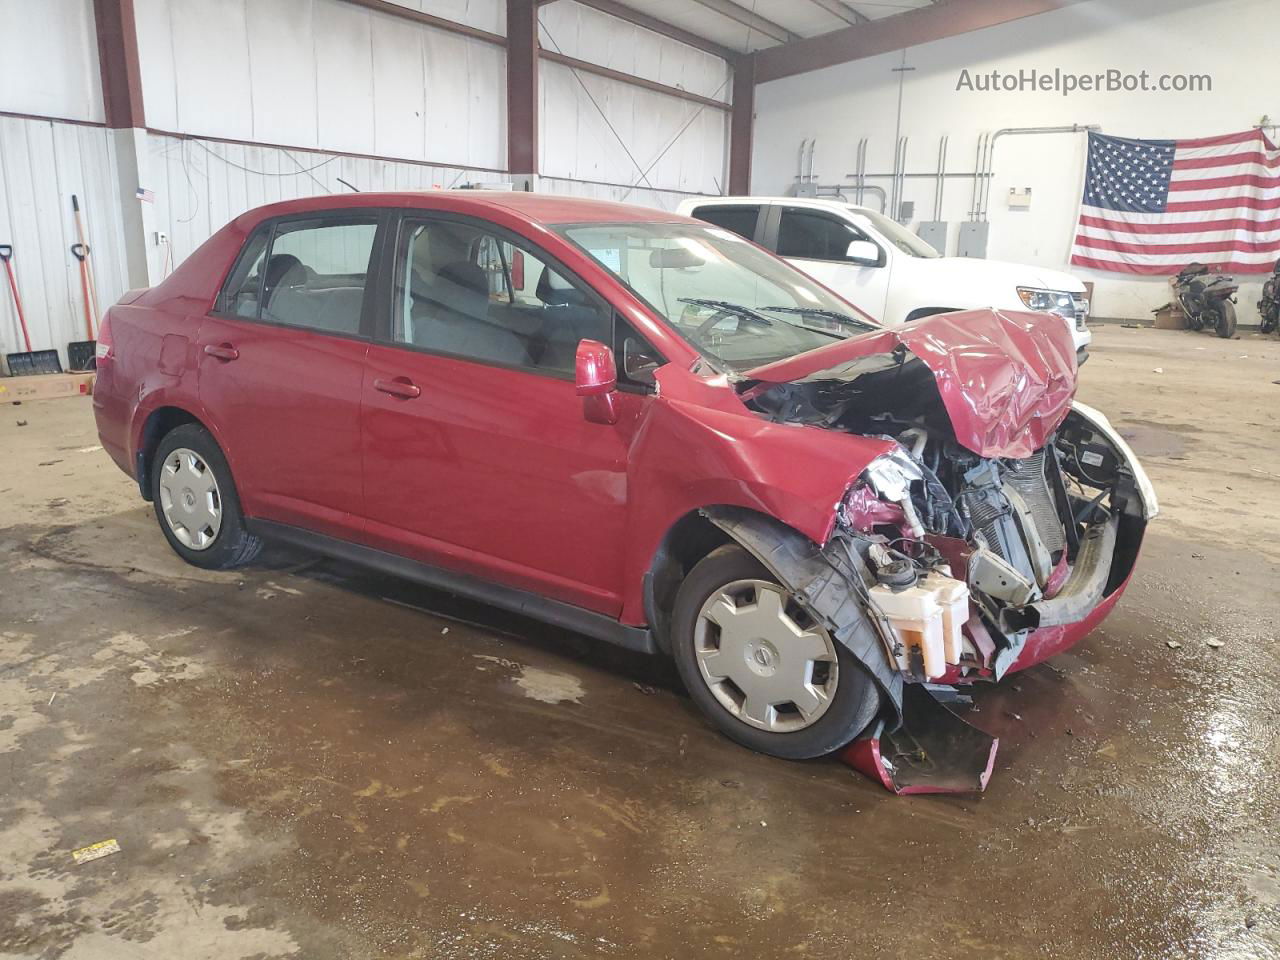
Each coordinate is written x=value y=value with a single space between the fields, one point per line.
x=916 y=745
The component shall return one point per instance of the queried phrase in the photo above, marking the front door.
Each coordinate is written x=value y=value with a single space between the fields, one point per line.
x=816 y=242
x=477 y=456
x=281 y=363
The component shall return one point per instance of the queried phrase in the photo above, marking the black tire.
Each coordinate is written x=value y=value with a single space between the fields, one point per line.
x=233 y=545
x=1226 y=325
x=853 y=706
x=1271 y=318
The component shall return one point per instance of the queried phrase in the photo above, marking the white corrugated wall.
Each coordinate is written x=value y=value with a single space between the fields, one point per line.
x=326 y=78
x=42 y=164
x=201 y=184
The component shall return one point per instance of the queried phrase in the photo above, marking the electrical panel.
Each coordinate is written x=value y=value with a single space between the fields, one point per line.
x=1019 y=199
x=973 y=239
x=934 y=233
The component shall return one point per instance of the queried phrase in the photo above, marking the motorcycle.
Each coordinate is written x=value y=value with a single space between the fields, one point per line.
x=1269 y=305
x=1207 y=300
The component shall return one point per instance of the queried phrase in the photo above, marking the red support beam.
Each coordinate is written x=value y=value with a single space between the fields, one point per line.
x=522 y=86
x=118 y=62
x=741 y=125
x=894 y=33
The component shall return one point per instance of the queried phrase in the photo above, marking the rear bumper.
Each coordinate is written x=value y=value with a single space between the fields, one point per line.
x=112 y=414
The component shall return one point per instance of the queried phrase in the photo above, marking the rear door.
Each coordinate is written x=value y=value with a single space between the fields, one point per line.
x=281 y=362
x=815 y=241
x=742 y=218
x=477 y=455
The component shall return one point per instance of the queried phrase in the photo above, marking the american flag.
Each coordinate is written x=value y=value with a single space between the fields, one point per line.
x=1154 y=206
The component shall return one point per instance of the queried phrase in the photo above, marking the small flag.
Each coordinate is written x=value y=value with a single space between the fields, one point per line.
x=146 y=195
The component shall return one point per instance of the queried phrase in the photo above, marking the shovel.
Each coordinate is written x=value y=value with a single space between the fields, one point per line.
x=31 y=361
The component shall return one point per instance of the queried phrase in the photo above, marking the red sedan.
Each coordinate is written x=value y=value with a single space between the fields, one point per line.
x=638 y=426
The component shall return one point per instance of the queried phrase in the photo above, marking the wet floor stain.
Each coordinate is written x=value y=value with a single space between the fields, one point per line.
x=335 y=771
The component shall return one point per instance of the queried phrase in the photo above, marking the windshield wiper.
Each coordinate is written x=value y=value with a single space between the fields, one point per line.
x=819 y=312
x=728 y=308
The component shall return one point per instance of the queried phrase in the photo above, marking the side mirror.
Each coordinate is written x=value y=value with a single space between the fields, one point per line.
x=596 y=381
x=863 y=252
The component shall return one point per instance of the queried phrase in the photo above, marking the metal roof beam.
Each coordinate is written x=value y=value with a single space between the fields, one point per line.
x=753 y=21
x=841 y=10
x=631 y=15
x=934 y=22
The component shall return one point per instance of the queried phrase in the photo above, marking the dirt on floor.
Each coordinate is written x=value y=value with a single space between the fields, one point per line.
x=304 y=760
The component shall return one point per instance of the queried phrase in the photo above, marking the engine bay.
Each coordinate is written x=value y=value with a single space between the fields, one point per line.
x=963 y=556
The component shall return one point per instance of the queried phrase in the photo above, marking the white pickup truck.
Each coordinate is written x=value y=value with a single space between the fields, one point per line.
x=886 y=270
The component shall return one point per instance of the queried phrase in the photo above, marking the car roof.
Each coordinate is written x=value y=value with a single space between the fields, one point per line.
x=542 y=208
x=815 y=202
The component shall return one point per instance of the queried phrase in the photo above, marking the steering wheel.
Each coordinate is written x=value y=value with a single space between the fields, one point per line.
x=706 y=326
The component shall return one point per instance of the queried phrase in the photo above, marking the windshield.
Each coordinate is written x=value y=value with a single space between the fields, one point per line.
x=735 y=303
x=895 y=233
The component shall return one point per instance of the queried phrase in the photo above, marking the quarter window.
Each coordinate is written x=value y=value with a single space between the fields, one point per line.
x=463 y=291
x=807 y=235
x=243 y=289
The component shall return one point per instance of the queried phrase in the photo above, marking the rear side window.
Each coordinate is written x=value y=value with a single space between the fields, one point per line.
x=809 y=235
x=740 y=219
x=304 y=273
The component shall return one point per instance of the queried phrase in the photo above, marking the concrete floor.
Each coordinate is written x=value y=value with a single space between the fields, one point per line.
x=302 y=760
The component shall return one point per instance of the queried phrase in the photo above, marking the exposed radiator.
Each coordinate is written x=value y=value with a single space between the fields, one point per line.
x=1028 y=479
x=986 y=514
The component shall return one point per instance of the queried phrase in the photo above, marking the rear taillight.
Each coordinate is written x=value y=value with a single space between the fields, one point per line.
x=103 y=350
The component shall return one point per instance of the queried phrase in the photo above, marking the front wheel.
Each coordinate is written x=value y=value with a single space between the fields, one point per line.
x=196 y=501
x=761 y=669
x=1226 y=325
x=1271 y=317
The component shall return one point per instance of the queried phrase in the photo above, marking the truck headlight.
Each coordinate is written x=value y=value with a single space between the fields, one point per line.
x=1049 y=301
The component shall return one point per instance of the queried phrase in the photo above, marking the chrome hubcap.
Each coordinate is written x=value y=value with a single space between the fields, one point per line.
x=190 y=499
x=764 y=658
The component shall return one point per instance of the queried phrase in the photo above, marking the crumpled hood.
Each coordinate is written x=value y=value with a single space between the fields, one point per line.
x=1006 y=377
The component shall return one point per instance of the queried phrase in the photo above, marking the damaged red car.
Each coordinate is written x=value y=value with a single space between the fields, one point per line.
x=646 y=429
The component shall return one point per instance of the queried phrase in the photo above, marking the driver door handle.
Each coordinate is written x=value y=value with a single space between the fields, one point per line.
x=222 y=351
x=401 y=387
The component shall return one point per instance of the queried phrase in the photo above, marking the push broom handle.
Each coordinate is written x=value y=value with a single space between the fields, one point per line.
x=81 y=253
x=93 y=284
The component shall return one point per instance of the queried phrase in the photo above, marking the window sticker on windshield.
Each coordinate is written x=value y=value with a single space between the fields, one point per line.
x=611 y=258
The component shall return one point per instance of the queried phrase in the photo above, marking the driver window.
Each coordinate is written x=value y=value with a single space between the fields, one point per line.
x=809 y=235
x=465 y=292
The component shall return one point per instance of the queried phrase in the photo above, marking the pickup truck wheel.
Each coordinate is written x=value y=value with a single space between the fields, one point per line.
x=196 y=503
x=764 y=672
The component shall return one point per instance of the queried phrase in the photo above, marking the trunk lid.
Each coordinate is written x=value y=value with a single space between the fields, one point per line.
x=1006 y=378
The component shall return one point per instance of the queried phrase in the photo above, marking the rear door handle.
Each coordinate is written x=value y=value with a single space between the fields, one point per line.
x=222 y=351
x=401 y=387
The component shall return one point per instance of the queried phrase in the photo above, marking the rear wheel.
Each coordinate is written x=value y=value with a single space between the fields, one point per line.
x=1271 y=317
x=1226 y=325
x=196 y=502
x=763 y=671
